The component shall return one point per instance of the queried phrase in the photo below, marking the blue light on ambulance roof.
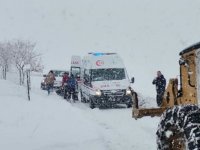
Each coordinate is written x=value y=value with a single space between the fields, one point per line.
x=98 y=54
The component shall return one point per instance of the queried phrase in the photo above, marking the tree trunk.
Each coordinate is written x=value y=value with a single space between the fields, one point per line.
x=5 y=72
x=2 y=72
x=20 y=77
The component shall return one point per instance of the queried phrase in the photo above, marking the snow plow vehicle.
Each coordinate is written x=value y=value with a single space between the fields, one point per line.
x=180 y=122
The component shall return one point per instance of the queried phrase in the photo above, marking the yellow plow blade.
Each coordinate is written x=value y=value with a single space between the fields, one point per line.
x=139 y=113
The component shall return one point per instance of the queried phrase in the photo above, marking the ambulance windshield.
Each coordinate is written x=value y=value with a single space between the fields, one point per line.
x=108 y=74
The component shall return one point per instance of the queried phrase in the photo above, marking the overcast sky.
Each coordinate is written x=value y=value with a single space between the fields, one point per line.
x=148 y=34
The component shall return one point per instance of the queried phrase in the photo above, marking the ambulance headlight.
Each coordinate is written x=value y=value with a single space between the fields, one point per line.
x=128 y=91
x=98 y=93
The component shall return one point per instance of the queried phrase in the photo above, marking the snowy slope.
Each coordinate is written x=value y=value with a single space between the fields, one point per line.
x=51 y=123
x=147 y=34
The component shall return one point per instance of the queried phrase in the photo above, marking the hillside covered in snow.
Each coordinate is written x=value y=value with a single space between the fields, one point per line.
x=147 y=34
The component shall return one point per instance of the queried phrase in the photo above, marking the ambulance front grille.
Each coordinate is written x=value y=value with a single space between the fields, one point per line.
x=113 y=92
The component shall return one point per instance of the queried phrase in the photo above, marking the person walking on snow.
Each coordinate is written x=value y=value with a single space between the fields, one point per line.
x=160 y=83
x=49 y=80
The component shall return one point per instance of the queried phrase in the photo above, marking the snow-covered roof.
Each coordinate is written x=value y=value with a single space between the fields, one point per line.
x=190 y=48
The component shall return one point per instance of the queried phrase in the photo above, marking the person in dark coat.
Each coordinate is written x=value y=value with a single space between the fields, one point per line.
x=160 y=83
x=72 y=87
x=72 y=83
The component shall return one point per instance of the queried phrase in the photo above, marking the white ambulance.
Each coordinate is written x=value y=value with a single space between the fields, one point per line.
x=105 y=81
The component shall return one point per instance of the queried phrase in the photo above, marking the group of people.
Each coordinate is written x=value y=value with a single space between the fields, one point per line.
x=67 y=80
x=71 y=84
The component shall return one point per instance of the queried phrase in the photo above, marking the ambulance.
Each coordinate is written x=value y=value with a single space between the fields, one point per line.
x=105 y=81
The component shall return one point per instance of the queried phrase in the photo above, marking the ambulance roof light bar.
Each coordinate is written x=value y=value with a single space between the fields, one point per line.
x=100 y=54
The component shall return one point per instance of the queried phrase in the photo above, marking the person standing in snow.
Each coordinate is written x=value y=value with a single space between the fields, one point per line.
x=160 y=83
x=72 y=83
x=72 y=87
x=65 y=78
x=49 y=80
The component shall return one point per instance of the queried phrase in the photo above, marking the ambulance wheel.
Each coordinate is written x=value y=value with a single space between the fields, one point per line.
x=129 y=105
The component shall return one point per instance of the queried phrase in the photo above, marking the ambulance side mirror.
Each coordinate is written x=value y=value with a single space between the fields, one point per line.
x=132 y=80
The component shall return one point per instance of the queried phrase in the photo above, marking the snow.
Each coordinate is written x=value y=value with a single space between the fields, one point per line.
x=51 y=123
x=148 y=35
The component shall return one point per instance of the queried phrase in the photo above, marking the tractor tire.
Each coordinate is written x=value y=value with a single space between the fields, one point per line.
x=179 y=128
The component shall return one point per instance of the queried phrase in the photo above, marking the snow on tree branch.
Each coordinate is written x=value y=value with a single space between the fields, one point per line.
x=24 y=54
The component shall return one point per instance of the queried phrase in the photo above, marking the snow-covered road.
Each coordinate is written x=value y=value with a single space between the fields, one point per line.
x=51 y=123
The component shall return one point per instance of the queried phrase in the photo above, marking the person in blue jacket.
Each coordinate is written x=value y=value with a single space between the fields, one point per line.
x=72 y=85
x=160 y=83
x=71 y=82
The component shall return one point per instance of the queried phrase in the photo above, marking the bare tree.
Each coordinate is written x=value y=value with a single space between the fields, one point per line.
x=37 y=65
x=5 y=57
x=24 y=54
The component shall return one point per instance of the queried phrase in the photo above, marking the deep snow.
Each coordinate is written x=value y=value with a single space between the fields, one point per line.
x=147 y=34
x=51 y=123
